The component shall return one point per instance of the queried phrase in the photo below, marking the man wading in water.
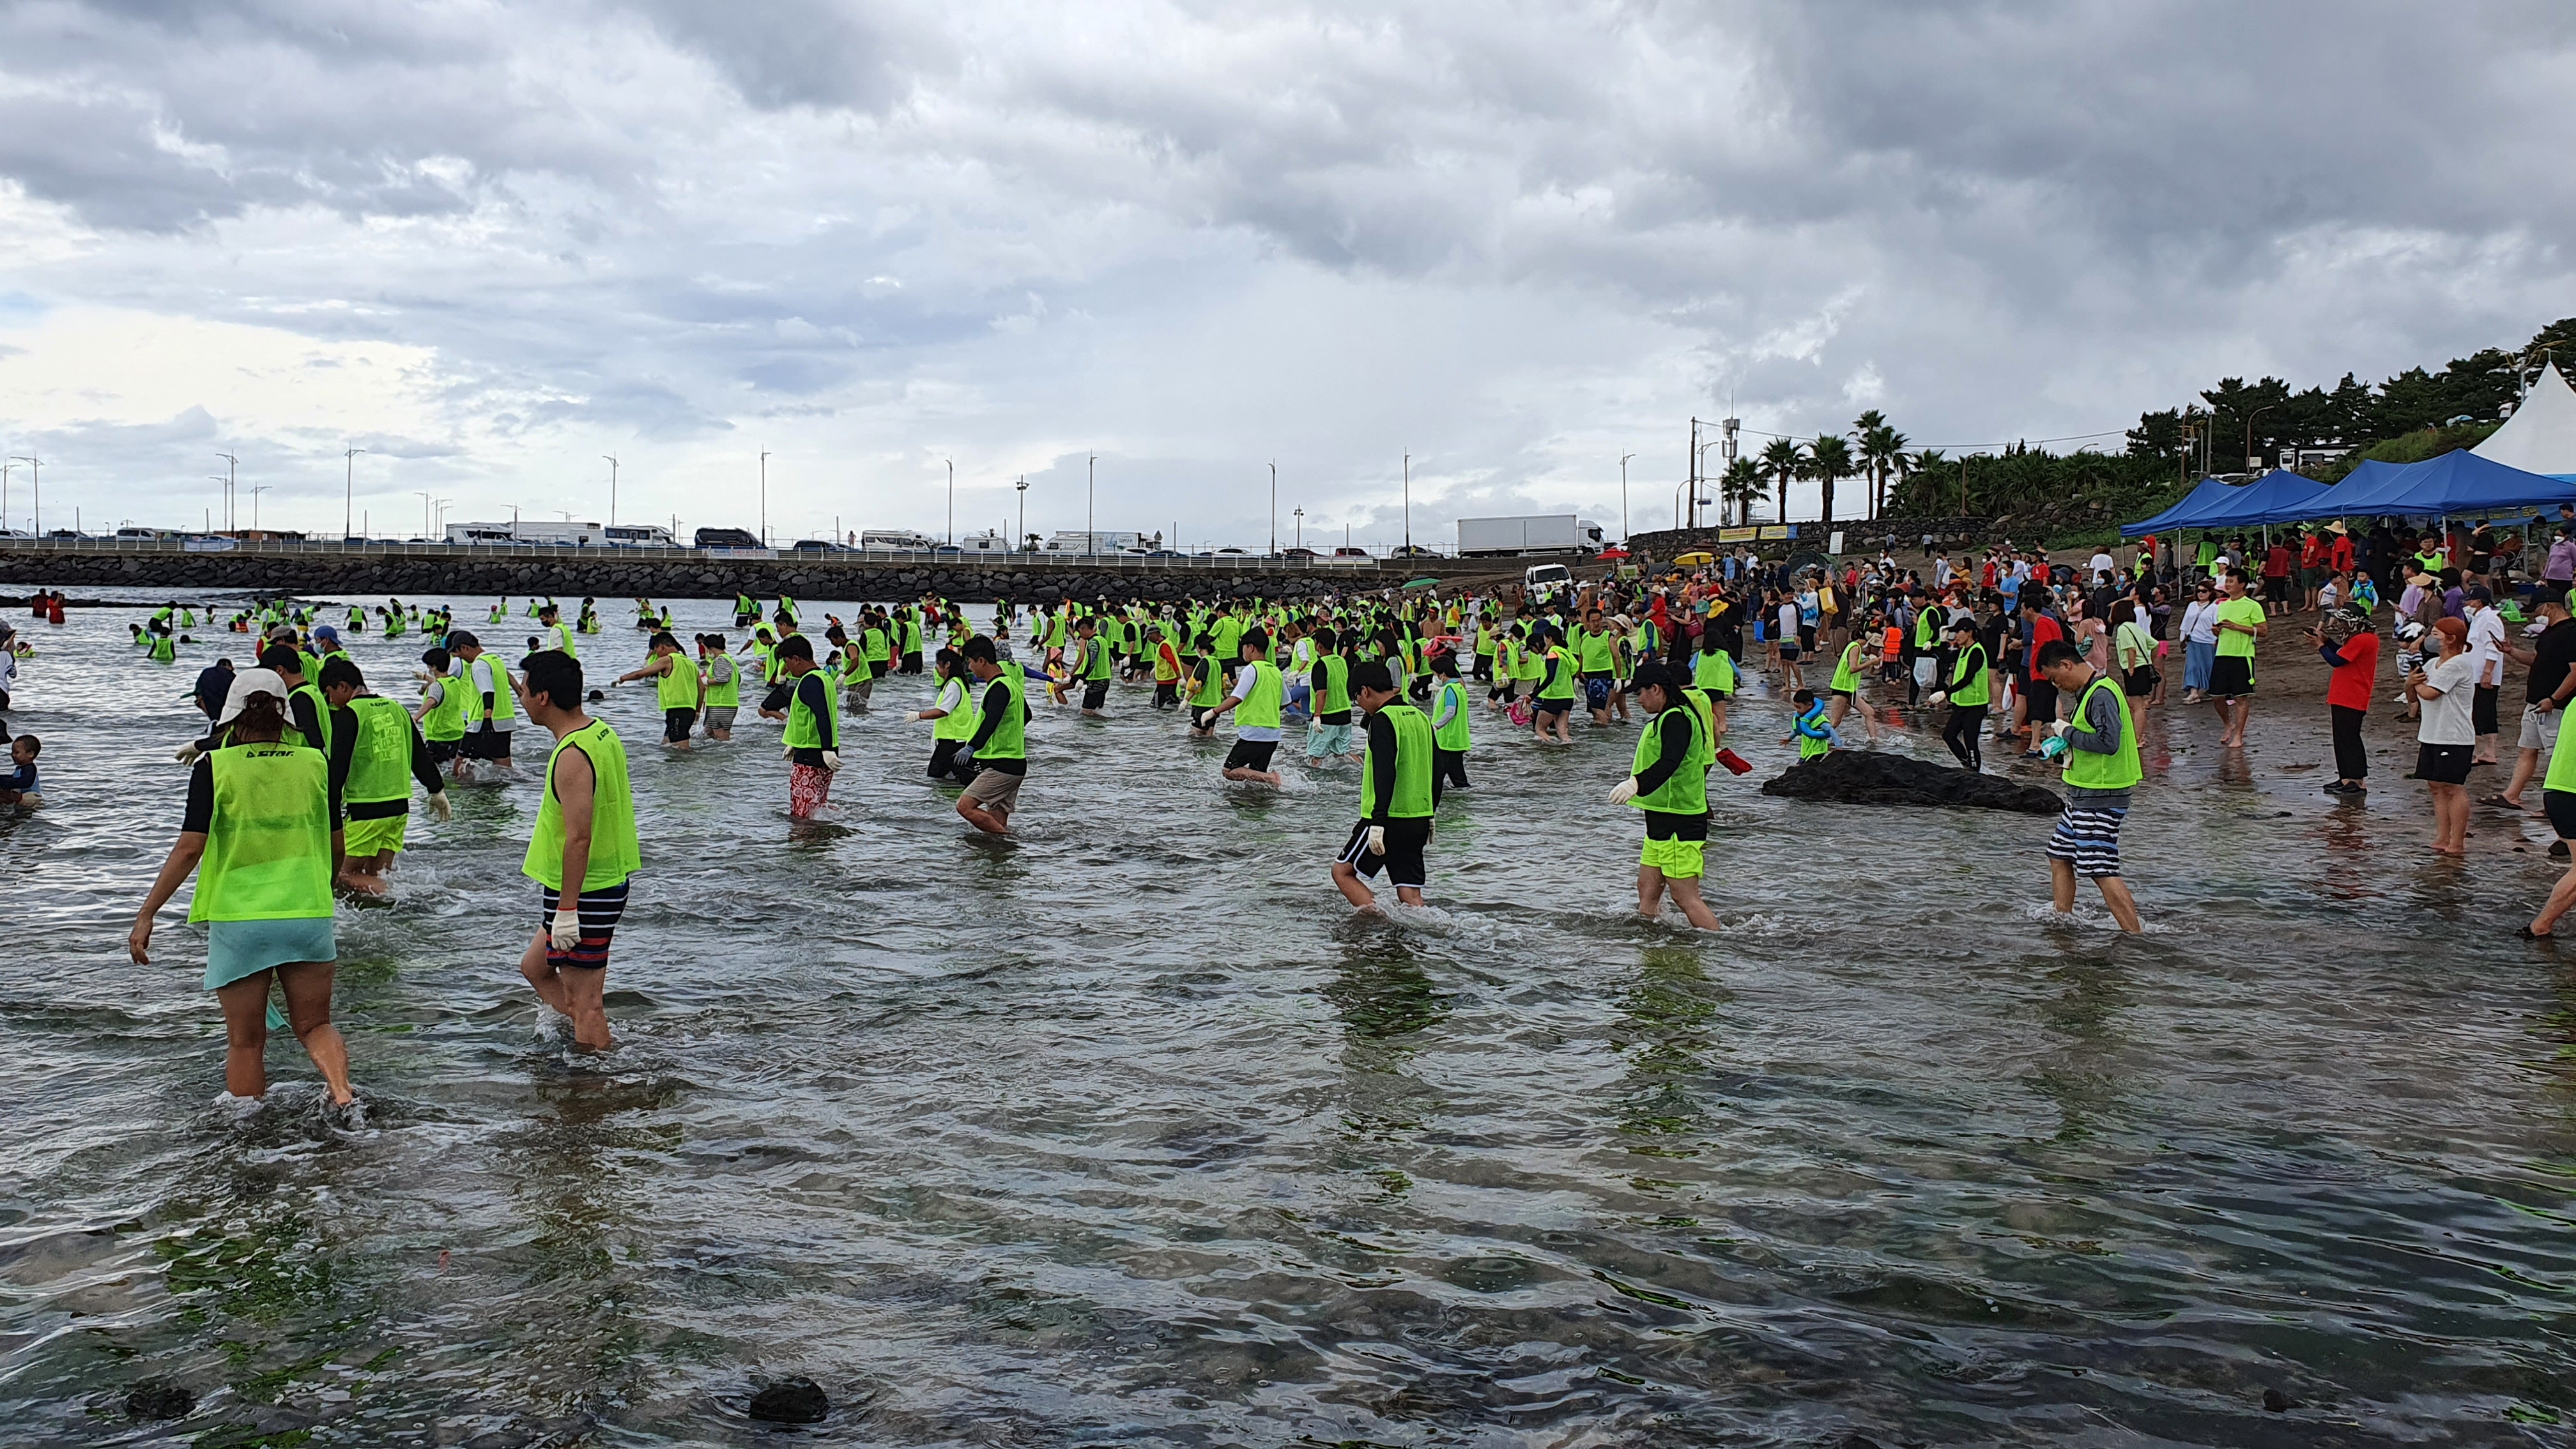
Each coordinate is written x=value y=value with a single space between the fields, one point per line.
x=585 y=835
x=2101 y=768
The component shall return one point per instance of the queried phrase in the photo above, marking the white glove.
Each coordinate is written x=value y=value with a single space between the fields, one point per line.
x=831 y=759
x=1624 y=791
x=439 y=809
x=1377 y=840
x=1937 y=697
x=2060 y=727
x=567 y=927
x=787 y=752
x=188 y=753
x=913 y=718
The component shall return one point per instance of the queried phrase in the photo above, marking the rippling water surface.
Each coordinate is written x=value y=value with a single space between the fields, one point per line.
x=1130 y=1132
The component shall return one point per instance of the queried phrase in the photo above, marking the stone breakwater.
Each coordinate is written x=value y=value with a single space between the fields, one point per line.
x=425 y=573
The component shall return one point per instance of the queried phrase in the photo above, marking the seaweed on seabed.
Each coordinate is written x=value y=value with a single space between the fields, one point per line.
x=1870 y=777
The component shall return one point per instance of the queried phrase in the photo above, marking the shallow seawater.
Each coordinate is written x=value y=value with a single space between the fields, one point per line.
x=1129 y=1132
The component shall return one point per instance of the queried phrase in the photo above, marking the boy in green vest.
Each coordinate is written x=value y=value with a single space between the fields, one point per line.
x=1668 y=779
x=2102 y=767
x=582 y=853
x=1000 y=742
x=385 y=756
x=1255 y=701
x=1395 y=794
x=719 y=686
x=441 y=715
x=675 y=687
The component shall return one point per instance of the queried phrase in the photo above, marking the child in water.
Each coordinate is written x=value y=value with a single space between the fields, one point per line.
x=1813 y=734
x=18 y=787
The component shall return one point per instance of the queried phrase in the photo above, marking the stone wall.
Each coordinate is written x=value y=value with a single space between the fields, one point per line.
x=353 y=575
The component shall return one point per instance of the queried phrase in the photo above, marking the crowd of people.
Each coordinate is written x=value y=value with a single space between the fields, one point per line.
x=303 y=785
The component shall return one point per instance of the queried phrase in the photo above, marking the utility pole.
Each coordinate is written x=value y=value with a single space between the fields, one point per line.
x=231 y=463
x=764 y=500
x=348 y=486
x=1408 y=504
x=1623 y=498
x=952 y=500
x=1090 y=476
x=612 y=488
x=1274 y=508
x=36 y=473
x=1692 y=517
x=1301 y=526
x=1024 y=513
x=1729 y=427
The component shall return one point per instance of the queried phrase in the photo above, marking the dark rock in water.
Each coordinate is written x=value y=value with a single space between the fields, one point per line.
x=1868 y=777
x=159 y=1399
x=790 y=1401
x=2278 y=1402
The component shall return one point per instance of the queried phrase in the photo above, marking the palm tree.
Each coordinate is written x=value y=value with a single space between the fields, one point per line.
x=1829 y=461
x=1781 y=461
x=1929 y=464
x=1741 y=485
x=1882 y=452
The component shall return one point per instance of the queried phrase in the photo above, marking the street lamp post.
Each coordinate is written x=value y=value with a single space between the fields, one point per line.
x=1091 y=474
x=764 y=500
x=36 y=474
x=254 y=504
x=1623 y=498
x=1408 y=505
x=1301 y=526
x=2249 y=434
x=1023 y=486
x=1274 y=509
x=952 y=500
x=231 y=467
x=348 y=486
x=5 y=470
x=424 y=514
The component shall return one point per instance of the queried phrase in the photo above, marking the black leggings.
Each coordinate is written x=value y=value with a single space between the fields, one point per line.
x=949 y=761
x=1966 y=727
x=2352 y=762
x=1448 y=767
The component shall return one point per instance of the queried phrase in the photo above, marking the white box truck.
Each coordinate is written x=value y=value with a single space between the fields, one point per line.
x=1549 y=533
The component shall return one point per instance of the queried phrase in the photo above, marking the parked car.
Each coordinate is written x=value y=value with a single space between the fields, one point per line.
x=817 y=545
x=726 y=538
x=1350 y=553
x=1234 y=551
x=1164 y=553
x=1412 y=550
x=1296 y=553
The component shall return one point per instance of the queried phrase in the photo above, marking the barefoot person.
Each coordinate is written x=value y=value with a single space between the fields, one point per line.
x=258 y=822
x=2447 y=737
x=1669 y=781
x=385 y=757
x=585 y=835
x=1396 y=798
x=1000 y=742
x=2102 y=767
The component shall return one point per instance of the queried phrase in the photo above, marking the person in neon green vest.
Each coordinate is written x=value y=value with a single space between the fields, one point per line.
x=441 y=715
x=719 y=686
x=583 y=852
x=1000 y=741
x=2100 y=754
x=386 y=756
x=1397 y=794
x=1451 y=736
x=1092 y=666
x=676 y=688
x=1254 y=700
x=952 y=712
x=258 y=834
x=1668 y=779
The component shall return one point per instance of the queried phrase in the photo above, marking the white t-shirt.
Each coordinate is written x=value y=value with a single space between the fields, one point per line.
x=1789 y=623
x=2103 y=563
x=2486 y=645
x=2200 y=623
x=490 y=676
x=2446 y=720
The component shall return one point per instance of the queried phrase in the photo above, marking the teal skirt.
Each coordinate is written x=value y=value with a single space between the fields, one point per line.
x=235 y=949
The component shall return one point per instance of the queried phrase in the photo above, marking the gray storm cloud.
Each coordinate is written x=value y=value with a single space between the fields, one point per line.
x=1516 y=240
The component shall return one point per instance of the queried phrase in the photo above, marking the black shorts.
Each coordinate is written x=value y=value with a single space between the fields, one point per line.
x=2231 y=676
x=441 y=751
x=2140 y=682
x=486 y=745
x=600 y=912
x=1807 y=638
x=2482 y=708
x=1095 y=693
x=2560 y=807
x=1845 y=695
x=2277 y=589
x=912 y=663
x=1666 y=825
x=1405 y=840
x=1251 y=754
x=1552 y=706
x=676 y=724
x=2445 y=764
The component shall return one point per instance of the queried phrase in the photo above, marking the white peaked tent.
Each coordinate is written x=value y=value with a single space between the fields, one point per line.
x=2540 y=437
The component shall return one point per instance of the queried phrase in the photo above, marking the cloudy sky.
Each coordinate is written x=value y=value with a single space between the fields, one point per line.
x=493 y=242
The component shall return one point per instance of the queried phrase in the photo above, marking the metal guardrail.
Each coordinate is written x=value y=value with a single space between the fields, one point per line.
x=845 y=558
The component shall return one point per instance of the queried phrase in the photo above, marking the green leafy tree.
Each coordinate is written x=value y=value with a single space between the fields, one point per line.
x=1740 y=485
x=1882 y=454
x=1829 y=461
x=1781 y=461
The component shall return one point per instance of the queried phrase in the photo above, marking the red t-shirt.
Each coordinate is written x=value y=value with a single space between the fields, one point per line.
x=2042 y=630
x=2341 y=554
x=2276 y=564
x=2350 y=683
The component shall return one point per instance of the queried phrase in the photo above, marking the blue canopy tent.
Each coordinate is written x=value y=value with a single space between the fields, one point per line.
x=2276 y=497
x=2457 y=484
x=2209 y=497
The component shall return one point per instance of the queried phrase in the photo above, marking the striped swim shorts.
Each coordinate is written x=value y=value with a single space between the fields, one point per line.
x=2089 y=836
x=600 y=910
